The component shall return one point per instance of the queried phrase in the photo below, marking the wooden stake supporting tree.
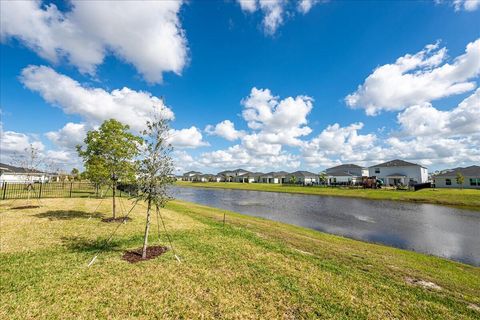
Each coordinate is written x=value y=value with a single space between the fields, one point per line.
x=155 y=171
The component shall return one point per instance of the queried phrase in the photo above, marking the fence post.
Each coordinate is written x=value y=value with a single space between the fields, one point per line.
x=4 y=189
x=40 y=191
x=71 y=183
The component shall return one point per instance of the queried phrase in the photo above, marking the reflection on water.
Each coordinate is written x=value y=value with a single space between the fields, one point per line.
x=437 y=230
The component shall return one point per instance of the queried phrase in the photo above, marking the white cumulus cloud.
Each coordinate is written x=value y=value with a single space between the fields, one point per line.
x=417 y=79
x=248 y=5
x=337 y=144
x=426 y=120
x=12 y=142
x=92 y=29
x=71 y=135
x=95 y=105
x=15 y=148
x=277 y=121
x=238 y=156
x=187 y=138
x=304 y=6
x=467 y=5
x=225 y=129
x=275 y=11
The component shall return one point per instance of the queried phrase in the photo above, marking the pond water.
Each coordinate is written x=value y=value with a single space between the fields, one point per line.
x=437 y=230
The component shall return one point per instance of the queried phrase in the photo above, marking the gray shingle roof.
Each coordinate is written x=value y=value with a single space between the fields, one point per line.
x=12 y=169
x=254 y=174
x=340 y=174
x=396 y=163
x=237 y=171
x=467 y=171
x=344 y=167
x=275 y=174
x=192 y=172
x=303 y=173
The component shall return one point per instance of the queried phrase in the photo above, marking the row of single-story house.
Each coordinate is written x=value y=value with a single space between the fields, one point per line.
x=245 y=176
x=395 y=172
x=390 y=173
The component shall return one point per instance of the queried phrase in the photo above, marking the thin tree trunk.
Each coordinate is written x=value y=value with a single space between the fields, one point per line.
x=147 y=228
x=113 y=193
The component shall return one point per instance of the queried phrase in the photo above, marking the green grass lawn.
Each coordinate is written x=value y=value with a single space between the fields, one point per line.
x=248 y=269
x=468 y=198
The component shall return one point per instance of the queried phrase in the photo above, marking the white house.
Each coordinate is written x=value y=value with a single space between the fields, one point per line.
x=448 y=179
x=345 y=174
x=247 y=177
x=254 y=176
x=240 y=175
x=216 y=178
x=399 y=172
x=189 y=176
x=274 y=177
x=14 y=174
x=302 y=177
x=201 y=178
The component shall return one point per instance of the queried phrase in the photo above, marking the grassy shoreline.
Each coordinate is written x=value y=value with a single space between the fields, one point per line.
x=249 y=268
x=460 y=198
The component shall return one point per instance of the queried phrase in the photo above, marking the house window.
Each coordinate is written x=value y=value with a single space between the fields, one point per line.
x=475 y=182
x=448 y=182
x=377 y=170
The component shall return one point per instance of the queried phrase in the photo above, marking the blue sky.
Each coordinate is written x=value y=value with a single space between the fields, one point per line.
x=205 y=59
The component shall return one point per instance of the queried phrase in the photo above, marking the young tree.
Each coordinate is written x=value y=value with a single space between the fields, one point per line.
x=323 y=178
x=109 y=155
x=460 y=179
x=155 y=170
x=75 y=173
x=30 y=161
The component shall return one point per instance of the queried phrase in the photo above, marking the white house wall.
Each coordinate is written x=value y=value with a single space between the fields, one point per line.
x=343 y=179
x=20 y=178
x=416 y=173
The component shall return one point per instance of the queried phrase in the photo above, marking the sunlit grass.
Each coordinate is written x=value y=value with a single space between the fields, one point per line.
x=247 y=268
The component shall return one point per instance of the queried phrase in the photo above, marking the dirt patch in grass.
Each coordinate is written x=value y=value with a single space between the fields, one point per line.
x=25 y=207
x=423 y=283
x=116 y=220
x=134 y=256
x=473 y=307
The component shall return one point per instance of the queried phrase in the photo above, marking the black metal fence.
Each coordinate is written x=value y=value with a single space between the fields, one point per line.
x=69 y=189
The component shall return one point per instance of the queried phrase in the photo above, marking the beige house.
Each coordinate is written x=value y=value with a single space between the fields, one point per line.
x=448 y=179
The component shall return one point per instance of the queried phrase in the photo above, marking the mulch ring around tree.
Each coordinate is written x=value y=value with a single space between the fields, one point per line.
x=26 y=207
x=117 y=220
x=134 y=256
